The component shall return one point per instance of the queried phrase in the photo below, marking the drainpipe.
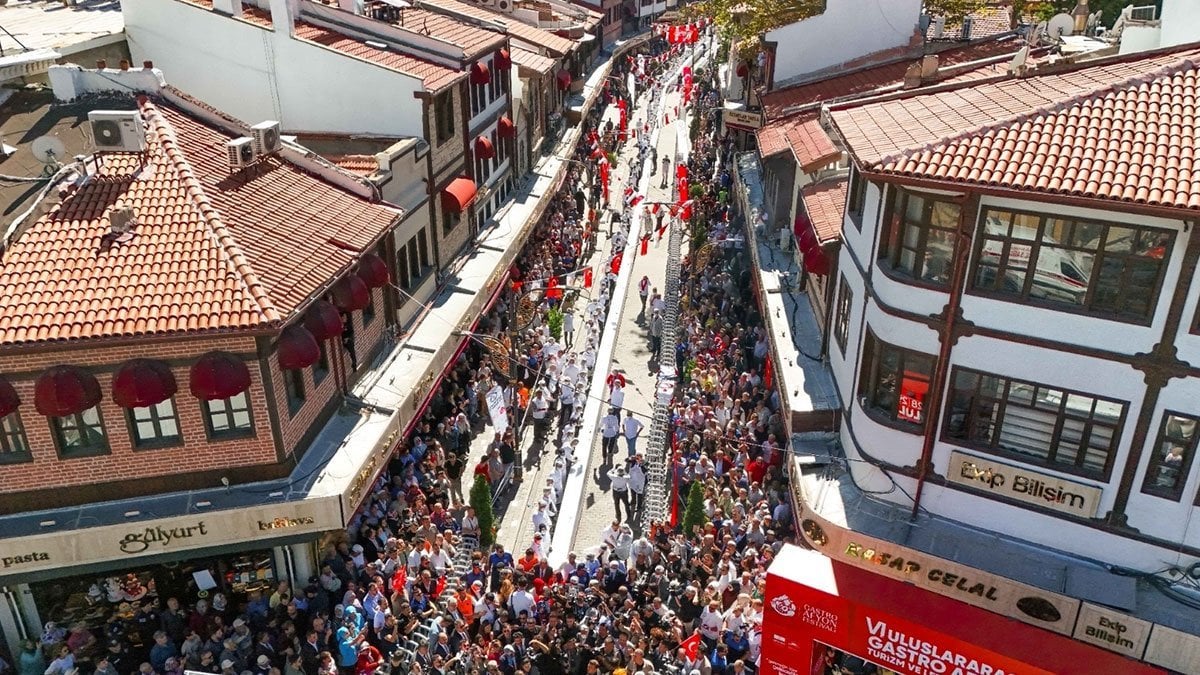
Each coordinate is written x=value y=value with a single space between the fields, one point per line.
x=941 y=368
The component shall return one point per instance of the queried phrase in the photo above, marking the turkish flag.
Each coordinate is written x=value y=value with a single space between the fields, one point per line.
x=637 y=200
x=691 y=646
x=615 y=265
x=768 y=373
x=400 y=579
x=645 y=243
x=683 y=190
x=654 y=207
x=681 y=171
x=587 y=278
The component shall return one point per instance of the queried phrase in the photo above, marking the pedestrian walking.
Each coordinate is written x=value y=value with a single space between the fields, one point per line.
x=620 y=492
x=632 y=429
x=568 y=328
x=539 y=410
x=637 y=483
x=666 y=172
x=610 y=428
x=656 y=329
x=644 y=291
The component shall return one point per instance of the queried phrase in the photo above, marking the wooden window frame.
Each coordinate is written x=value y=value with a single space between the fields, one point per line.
x=1154 y=463
x=12 y=435
x=856 y=197
x=58 y=429
x=320 y=369
x=891 y=238
x=159 y=440
x=293 y=385
x=841 y=320
x=869 y=380
x=443 y=114
x=230 y=410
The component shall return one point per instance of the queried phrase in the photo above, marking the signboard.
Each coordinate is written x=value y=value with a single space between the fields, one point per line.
x=497 y=409
x=740 y=119
x=1174 y=649
x=1051 y=492
x=1114 y=631
x=166 y=535
x=911 y=406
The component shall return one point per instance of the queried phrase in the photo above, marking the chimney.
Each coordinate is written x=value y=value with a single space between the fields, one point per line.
x=912 y=76
x=1080 y=13
x=230 y=7
x=929 y=67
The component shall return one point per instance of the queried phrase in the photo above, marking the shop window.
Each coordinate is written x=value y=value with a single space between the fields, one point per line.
x=894 y=383
x=1100 y=267
x=155 y=426
x=918 y=237
x=414 y=263
x=80 y=435
x=450 y=219
x=856 y=198
x=320 y=369
x=404 y=277
x=1171 y=457
x=293 y=384
x=423 y=250
x=841 y=319
x=369 y=310
x=228 y=417
x=14 y=447
x=1034 y=423
x=444 y=114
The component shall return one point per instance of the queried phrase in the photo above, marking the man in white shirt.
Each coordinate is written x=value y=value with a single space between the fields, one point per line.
x=568 y=328
x=521 y=600
x=620 y=492
x=541 y=517
x=633 y=429
x=566 y=401
x=637 y=483
x=609 y=430
x=539 y=409
x=617 y=396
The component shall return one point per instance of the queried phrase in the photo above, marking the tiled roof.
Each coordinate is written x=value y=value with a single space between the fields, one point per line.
x=825 y=204
x=472 y=39
x=212 y=251
x=363 y=165
x=434 y=76
x=862 y=82
x=517 y=29
x=986 y=22
x=1121 y=129
x=802 y=135
x=528 y=59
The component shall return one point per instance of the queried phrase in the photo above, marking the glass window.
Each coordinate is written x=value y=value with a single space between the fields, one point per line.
x=293 y=382
x=80 y=435
x=321 y=367
x=1171 y=456
x=14 y=447
x=444 y=112
x=1064 y=430
x=155 y=426
x=450 y=219
x=404 y=276
x=857 y=198
x=919 y=238
x=1104 y=267
x=229 y=417
x=894 y=382
x=414 y=263
x=841 y=320
x=369 y=310
x=423 y=250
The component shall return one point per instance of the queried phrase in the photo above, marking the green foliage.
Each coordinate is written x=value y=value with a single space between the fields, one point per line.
x=742 y=20
x=481 y=501
x=693 y=514
x=554 y=321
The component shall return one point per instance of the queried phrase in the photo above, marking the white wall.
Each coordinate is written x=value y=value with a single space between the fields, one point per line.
x=227 y=63
x=1179 y=22
x=846 y=31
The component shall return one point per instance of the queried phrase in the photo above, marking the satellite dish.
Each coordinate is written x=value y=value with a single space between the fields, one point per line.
x=1017 y=65
x=1036 y=33
x=48 y=149
x=1060 y=26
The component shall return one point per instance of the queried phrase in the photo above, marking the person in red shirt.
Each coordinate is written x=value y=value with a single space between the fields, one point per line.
x=369 y=659
x=527 y=562
x=757 y=469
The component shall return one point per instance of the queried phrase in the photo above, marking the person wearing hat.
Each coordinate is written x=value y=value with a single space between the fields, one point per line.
x=610 y=429
x=369 y=659
x=620 y=492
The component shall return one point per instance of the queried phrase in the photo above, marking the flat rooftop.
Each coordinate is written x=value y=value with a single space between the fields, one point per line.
x=67 y=29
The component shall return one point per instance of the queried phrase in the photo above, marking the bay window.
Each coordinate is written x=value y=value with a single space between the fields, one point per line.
x=894 y=383
x=1171 y=456
x=919 y=235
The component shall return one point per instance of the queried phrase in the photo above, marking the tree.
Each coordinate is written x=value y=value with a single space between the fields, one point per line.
x=481 y=501
x=554 y=322
x=742 y=20
x=694 y=515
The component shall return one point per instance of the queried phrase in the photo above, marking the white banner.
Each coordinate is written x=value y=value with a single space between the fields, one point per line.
x=497 y=409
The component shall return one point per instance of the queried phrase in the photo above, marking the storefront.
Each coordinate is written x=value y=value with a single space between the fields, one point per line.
x=100 y=576
x=825 y=616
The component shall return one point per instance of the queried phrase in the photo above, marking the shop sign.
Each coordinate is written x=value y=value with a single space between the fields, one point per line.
x=1052 y=492
x=1112 y=630
x=24 y=559
x=975 y=587
x=1174 y=649
x=283 y=523
x=910 y=407
x=740 y=119
x=136 y=542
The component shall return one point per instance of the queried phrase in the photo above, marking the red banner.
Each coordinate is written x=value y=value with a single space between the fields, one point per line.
x=910 y=407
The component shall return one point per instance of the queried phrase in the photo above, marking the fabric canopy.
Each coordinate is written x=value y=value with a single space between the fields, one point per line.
x=65 y=390
x=351 y=294
x=503 y=60
x=816 y=262
x=484 y=148
x=564 y=80
x=458 y=195
x=297 y=348
x=506 y=128
x=480 y=74
x=9 y=399
x=323 y=320
x=373 y=271
x=141 y=383
x=218 y=375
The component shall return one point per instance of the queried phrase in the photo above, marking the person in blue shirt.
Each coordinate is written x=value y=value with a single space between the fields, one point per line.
x=738 y=643
x=348 y=639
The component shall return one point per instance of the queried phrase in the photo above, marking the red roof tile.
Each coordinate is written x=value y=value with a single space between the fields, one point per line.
x=825 y=204
x=472 y=39
x=1122 y=129
x=528 y=59
x=534 y=36
x=211 y=252
x=363 y=165
x=802 y=135
x=435 y=76
x=779 y=103
x=986 y=22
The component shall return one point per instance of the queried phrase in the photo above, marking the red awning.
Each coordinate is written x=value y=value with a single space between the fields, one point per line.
x=484 y=148
x=9 y=399
x=506 y=128
x=503 y=60
x=816 y=262
x=141 y=383
x=564 y=80
x=458 y=195
x=351 y=294
x=480 y=73
x=65 y=390
x=323 y=320
x=218 y=375
x=297 y=348
x=373 y=271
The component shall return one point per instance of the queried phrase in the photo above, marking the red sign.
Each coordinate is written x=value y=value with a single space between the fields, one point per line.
x=911 y=404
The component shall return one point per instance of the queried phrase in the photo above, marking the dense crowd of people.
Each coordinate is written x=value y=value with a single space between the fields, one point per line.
x=408 y=591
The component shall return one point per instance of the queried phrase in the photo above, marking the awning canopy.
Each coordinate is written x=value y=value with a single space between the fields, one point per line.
x=480 y=74
x=351 y=294
x=506 y=128
x=297 y=348
x=141 y=383
x=503 y=60
x=323 y=320
x=816 y=262
x=815 y=259
x=459 y=194
x=564 y=80
x=9 y=399
x=484 y=148
x=65 y=390
x=218 y=375
x=373 y=271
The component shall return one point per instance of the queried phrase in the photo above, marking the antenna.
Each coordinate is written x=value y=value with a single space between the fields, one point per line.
x=1060 y=26
x=47 y=150
x=1017 y=65
x=1036 y=33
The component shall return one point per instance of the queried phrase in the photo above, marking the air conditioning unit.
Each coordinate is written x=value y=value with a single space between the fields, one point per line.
x=266 y=137
x=117 y=130
x=504 y=5
x=241 y=152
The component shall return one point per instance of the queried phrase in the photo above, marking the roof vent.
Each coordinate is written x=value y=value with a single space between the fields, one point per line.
x=122 y=222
